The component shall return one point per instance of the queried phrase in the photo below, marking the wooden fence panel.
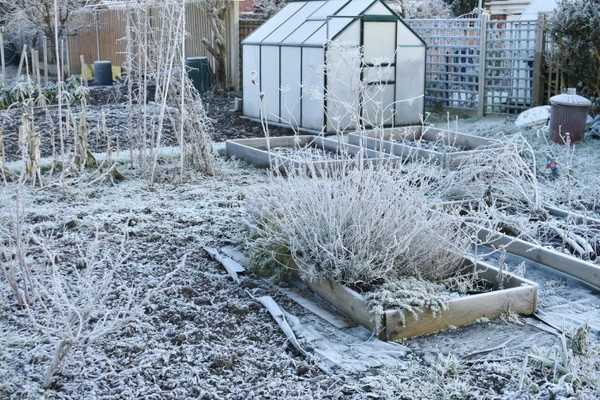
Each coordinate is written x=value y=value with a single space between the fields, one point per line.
x=510 y=62
x=100 y=35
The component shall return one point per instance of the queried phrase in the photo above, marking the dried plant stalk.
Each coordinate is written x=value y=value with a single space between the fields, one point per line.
x=83 y=157
x=155 y=34
x=4 y=172
x=14 y=265
x=29 y=140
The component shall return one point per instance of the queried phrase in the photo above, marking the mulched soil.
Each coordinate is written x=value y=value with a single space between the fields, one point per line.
x=230 y=124
x=227 y=124
x=202 y=337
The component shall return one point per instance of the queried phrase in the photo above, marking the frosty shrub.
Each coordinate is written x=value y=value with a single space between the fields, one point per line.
x=421 y=8
x=576 y=32
x=462 y=7
x=504 y=174
x=355 y=226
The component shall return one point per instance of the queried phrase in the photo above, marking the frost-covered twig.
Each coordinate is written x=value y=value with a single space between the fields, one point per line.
x=156 y=55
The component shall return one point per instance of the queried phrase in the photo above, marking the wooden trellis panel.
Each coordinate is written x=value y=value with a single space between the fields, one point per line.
x=473 y=64
x=453 y=61
x=511 y=66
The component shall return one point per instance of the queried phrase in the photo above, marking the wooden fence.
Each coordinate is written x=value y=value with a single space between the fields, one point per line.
x=454 y=59
x=99 y=34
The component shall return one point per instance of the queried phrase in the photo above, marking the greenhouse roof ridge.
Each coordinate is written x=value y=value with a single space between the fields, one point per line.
x=312 y=23
x=297 y=22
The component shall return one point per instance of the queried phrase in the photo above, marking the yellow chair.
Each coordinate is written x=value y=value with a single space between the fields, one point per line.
x=116 y=72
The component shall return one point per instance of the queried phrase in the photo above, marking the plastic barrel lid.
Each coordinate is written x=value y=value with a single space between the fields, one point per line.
x=571 y=98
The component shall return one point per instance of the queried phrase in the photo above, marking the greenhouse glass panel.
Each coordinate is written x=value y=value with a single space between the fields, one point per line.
x=342 y=101
x=290 y=85
x=407 y=38
x=269 y=60
x=410 y=85
x=354 y=8
x=378 y=105
x=293 y=23
x=378 y=9
x=312 y=88
x=329 y=9
x=250 y=79
x=379 y=42
x=272 y=23
x=306 y=30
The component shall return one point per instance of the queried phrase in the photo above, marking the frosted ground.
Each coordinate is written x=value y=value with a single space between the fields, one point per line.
x=191 y=332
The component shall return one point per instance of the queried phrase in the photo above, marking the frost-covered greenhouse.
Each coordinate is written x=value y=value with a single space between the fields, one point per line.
x=334 y=65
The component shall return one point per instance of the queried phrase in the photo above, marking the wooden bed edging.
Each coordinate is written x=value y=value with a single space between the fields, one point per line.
x=578 y=269
x=254 y=151
x=585 y=272
x=381 y=140
x=576 y=217
x=518 y=295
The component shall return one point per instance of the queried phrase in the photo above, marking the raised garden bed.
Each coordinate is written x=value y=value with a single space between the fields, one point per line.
x=449 y=149
x=508 y=292
x=295 y=152
x=581 y=270
x=576 y=267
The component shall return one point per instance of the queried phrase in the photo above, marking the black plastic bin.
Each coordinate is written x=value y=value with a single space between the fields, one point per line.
x=103 y=75
x=200 y=73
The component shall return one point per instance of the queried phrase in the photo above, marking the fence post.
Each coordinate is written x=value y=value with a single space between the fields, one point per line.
x=538 y=65
x=483 y=21
x=234 y=51
x=2 y=61
x=35 y=66
x=97 y=35
x=45 y=55
x=84 y=70
x=67 y=54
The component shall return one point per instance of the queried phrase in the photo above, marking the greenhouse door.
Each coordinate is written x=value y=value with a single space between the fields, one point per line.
x=378 y=74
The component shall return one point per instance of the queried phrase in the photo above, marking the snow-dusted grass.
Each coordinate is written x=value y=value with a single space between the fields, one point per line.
x=556 y=373
x=355 y=226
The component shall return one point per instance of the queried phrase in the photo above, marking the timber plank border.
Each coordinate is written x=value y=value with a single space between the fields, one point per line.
x=384 y=140
x=511 y=294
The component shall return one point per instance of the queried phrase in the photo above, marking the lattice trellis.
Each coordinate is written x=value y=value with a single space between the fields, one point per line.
x=510 y=66
x=461 y=51
x=453 y=61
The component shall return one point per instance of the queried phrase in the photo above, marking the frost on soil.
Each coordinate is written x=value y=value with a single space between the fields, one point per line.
x=199 y=335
